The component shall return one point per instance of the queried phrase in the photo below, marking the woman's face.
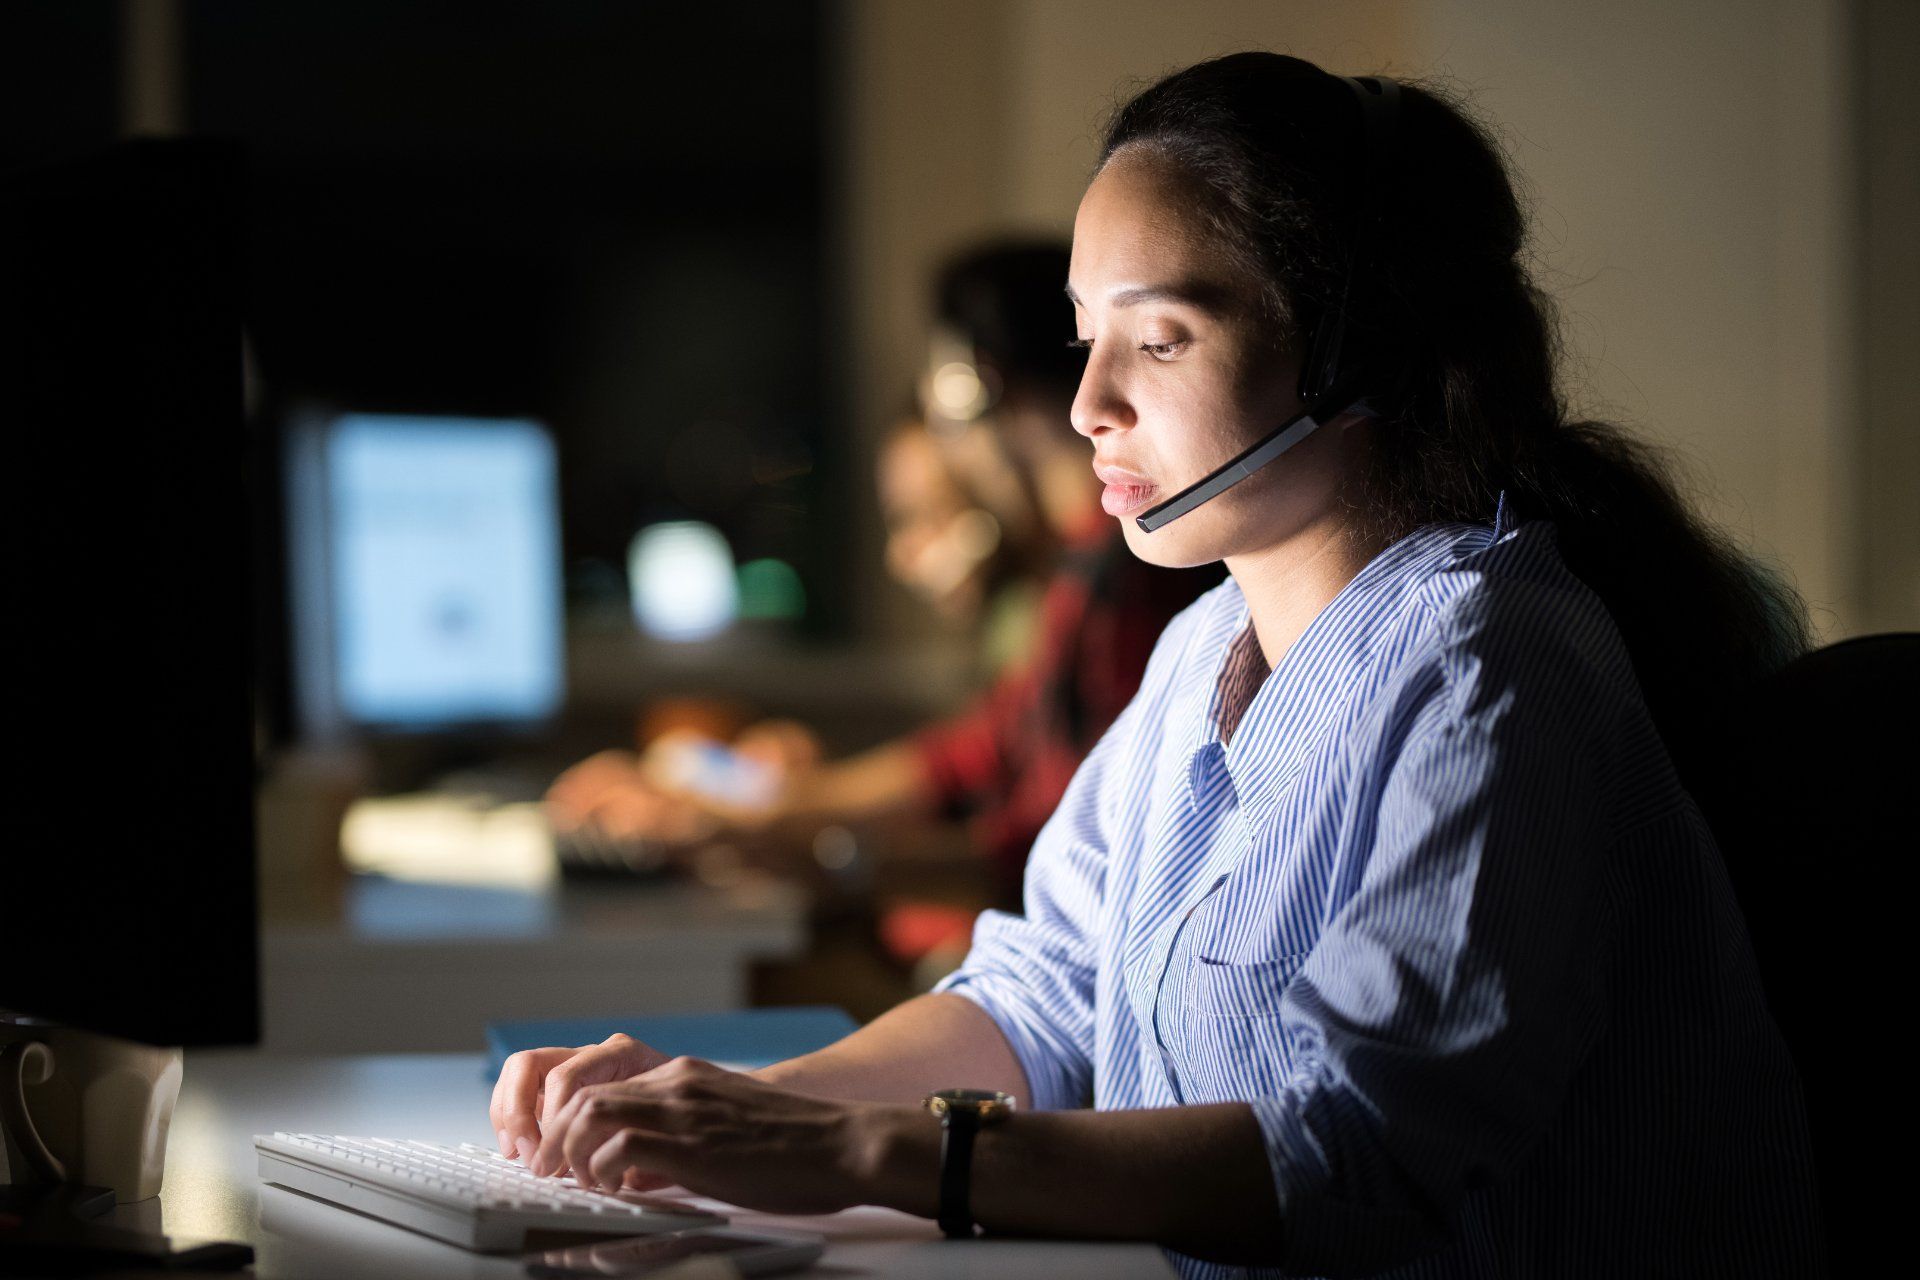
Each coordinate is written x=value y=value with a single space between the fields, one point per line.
x=938 y=542
x=1183 y=372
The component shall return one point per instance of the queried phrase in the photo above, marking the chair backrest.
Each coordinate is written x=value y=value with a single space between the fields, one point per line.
x=1815 y=801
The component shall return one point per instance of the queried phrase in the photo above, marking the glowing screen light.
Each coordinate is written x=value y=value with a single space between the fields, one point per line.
x=681 y=575
x=770 y=590
x=958 y=392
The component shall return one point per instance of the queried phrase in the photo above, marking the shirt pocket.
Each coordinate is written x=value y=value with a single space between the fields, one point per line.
x=1233 y=1047
x=1251 y=989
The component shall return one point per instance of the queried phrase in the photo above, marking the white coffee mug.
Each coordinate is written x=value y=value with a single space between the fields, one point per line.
x=85 y=1108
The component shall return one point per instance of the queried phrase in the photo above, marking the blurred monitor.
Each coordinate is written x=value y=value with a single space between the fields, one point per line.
x=424 y=573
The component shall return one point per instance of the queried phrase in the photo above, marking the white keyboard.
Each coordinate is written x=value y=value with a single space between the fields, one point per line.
x=468 y=1195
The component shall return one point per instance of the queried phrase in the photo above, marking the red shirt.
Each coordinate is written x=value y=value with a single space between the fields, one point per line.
x=1006 y=761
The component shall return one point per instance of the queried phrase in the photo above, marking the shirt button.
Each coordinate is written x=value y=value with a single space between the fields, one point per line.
x=1201 y=767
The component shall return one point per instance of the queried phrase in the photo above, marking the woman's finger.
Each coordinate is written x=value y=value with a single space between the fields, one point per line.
x=588 y=1107
x=628 y=815
x=592 y=1118
x=615 y=1058
x=576 y=789
x=514 y=1109
x=654 y=1157
x=669 y=1099
x=639 y=1180
x=547 y=1158
x=598 y=1111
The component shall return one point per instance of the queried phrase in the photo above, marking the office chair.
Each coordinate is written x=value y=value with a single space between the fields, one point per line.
x=1813 y=801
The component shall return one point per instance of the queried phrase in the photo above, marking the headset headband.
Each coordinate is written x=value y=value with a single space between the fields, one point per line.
x=1379 y=120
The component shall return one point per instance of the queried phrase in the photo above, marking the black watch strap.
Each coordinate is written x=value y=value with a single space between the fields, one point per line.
x=958 y=1125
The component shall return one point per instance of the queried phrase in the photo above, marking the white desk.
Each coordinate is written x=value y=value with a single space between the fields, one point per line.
x=424 y=967
x=212 y=1188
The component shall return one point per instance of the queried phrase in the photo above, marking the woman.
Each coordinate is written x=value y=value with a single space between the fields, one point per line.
x=1380 y=930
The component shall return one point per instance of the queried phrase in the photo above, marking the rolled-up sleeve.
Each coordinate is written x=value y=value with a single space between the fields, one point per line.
x=1450 y=998
x=1034 y=974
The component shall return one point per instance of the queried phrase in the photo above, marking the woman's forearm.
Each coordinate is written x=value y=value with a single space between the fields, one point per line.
x=928 y=1043
x=887 y=780
x=1194 y=1178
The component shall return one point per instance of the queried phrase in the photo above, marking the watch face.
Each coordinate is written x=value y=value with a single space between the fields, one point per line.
x=983 y=1102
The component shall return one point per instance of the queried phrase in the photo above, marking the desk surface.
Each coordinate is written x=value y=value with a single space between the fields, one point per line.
x=212 y=1188
x=425 y=967
x=377 y=912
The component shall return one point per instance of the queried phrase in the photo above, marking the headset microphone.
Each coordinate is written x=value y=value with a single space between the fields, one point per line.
x=1258 y=455
x=1324 y=389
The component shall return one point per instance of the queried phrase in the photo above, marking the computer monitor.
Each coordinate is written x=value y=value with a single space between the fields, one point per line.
x=424 y=574
x=128 y=885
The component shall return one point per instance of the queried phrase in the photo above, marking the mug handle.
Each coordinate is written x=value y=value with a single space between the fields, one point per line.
x=16 y=1060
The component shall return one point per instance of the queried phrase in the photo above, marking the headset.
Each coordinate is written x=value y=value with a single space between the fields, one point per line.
x=1326 y=389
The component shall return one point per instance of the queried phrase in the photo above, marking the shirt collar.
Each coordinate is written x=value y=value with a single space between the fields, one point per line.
x=1503 y=521
x=1320 y=675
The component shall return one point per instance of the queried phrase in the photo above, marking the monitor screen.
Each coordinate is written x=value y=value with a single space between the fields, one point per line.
x=426 y=572
x=127 y=900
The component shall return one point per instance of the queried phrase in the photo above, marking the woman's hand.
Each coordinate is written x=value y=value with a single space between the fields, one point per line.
x=787 y=747
x=536 y=1083
x=575 y=793
x=610 y=792
x=734 y=1138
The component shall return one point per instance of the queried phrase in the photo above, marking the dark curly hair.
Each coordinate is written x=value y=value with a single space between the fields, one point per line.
x=1460 y=347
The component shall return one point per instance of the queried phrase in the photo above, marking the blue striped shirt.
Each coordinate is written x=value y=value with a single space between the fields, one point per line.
x=1430 y=898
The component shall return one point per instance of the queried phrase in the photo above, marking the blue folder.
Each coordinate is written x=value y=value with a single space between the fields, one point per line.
x=748 y=1037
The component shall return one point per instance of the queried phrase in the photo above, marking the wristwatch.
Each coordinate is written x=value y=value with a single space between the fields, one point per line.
x=963 y=1113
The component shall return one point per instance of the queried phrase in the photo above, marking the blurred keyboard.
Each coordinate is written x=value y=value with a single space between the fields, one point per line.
x=470 y=838
x=467 y=1195
x=587 y=852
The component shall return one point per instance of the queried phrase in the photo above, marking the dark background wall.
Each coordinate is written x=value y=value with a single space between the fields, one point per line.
x=610 y=216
